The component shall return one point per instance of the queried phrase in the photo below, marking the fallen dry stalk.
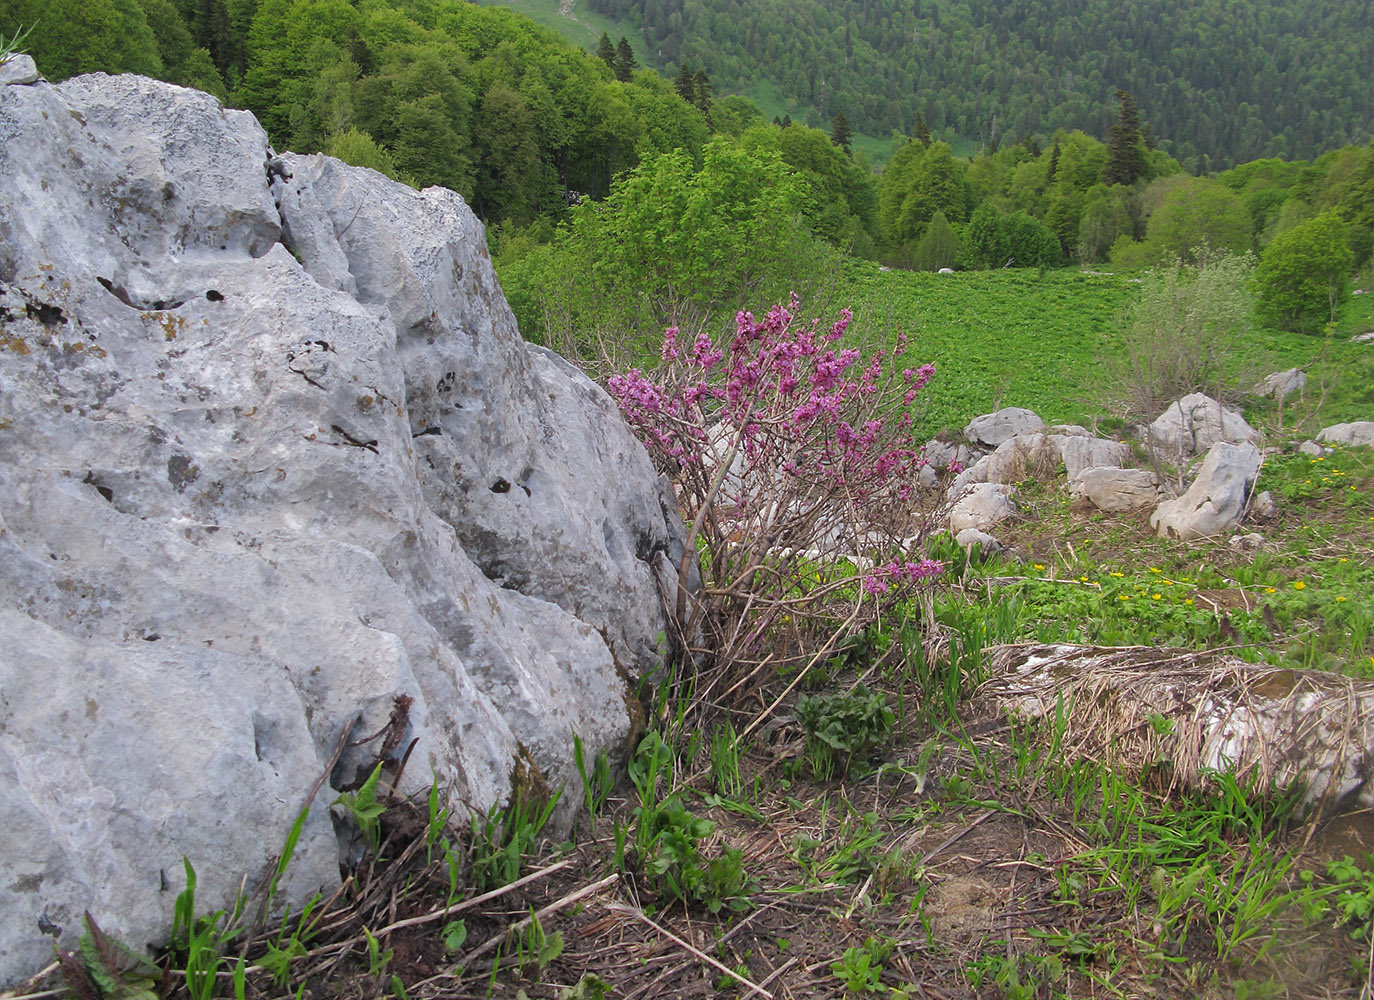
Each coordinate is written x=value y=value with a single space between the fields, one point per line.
x=520 y=926
x=1197 y=712
x=468 y=904
x=639 y=914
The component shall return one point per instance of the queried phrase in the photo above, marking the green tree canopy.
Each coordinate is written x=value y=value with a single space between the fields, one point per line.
x=1304 y=274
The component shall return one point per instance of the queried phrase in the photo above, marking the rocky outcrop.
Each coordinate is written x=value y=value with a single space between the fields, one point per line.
x=1116 y=490
x=276 y=468
x=1358 y=433
x=1216 y=500
x=1191 y=425
x=1039 y=456
x=1281 y=385
x=982 y=506
x=991 y=429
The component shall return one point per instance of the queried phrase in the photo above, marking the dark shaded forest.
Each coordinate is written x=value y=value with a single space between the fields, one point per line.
x=1225 y=82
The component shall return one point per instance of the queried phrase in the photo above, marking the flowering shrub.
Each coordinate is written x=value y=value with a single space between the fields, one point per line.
x=792 y=460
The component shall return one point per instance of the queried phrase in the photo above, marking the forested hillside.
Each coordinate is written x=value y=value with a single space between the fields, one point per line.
x=621 y=201
x=1223 y=81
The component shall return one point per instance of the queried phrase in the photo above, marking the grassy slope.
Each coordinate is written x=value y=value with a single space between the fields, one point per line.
x=1021 y=338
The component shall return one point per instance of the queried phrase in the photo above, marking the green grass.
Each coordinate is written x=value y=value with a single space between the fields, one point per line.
x=1038 y=340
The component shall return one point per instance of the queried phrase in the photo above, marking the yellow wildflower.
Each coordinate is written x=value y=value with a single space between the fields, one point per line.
x=1299 y=585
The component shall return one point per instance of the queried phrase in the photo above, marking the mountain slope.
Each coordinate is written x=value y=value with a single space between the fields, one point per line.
x=1227 y=80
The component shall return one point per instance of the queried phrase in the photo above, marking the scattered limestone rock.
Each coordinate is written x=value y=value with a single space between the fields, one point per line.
x=992 y=429
x=970 y=537
x=1115 y=490
x=1191 y=425
x=1216 y=500
x=1249 y=542
x=1311 y=449
x=1079 y=453
x=981 y=506
x=1039 y=456
x=945 y=270
x=18 y=71
x=1357 y=434
x=1263 y=507
x=1070 y=430
x=1364 y=338
x=941 y=454
x=1281 y=385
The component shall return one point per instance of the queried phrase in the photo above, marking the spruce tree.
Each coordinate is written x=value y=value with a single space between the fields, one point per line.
x=1054 y=163
x=701 y=90
x=605 y=51
x=625 y=63
x=1125 y=144
x=786 y=121
x=921 y=131
x=840 y=132
x=685 y=88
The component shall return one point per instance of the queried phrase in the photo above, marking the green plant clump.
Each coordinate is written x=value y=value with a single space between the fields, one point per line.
x=841 y=728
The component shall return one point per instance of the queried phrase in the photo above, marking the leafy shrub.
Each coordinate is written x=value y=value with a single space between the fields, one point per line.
x=792 y=461
x=843 y=727
x=1181 y=335
x=1304 y=275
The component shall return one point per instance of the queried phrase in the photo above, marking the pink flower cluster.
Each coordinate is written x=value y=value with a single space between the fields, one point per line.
x=813 y=425
x=898 y=574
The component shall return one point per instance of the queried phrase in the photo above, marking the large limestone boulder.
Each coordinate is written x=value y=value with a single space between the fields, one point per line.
x=1192 y=424
x=1116 y=490
x=276 y=468
x=991 y=429
x=1039 y=456
x=981 y=506
x=1079 y=452
x=1358 y=433
x=1216 y=500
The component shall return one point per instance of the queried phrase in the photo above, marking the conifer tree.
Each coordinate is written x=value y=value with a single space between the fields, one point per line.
x=701 y=90
x=786 y=121
x=921 y=131
x=1054 y=163
x=1125 y=144
x=605 y=51
x=625 y=63
x=840 y=132
x=685 y=87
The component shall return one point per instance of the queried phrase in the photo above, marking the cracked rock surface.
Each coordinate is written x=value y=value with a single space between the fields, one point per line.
x=273 y=455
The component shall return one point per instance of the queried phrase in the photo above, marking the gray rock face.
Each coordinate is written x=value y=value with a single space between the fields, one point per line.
x=939 y=454
x=970 y=537
x=1039 y=456
x=991 y=429
x=1191 y=425
x=1079 y=453
x=1358 y=433
x=250 y=497
x=1115 y=490
x=1312 y=449
x=1281 y=385
x=18 y=71
x=1216 y=500
x=981 y=506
